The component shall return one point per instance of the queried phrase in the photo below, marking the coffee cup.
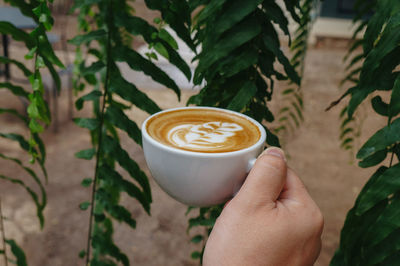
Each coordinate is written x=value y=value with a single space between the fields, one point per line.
x=201 y=155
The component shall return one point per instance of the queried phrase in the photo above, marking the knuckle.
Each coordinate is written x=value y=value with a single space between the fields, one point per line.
x=318 y=220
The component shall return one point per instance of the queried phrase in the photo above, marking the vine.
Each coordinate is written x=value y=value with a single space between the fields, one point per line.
x=41 y=52
x=351 y=127
x=104 y=40
x=290 y=115
x=370 y=235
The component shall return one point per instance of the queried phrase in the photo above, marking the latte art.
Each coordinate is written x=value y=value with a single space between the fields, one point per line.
x=203 y=130
x=211 y=135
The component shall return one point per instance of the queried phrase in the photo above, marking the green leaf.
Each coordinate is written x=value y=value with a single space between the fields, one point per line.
x=54 y=73
x=86 y=182
x=35 y=127
x=380 y=106
x=353 y=233
x=197 y=239
x=209 y=10
x=355 y=59
x=209 y=222
x=139 y=63
x=43 y=13
x=120 y=120
x=45 y=48
x=86 y=154
x=177 y=15
x=39 y=206
x=16 y=137
x=163 y=34
x=291 y=6
x=380 y=61
x=161 y=50
x=89 y=123
x=138 y=26
x=234 y=38
x=82 y=254
x=129 y=92
x=31 y=53
x=39 y=62
x=102 y=239
x=14 y=113
x=373 y=159
x=16 y=90
x=356 y=225
x=116 y=211
x=114 y=149
x=16 y=34
x=394 y=258
x=236 y=63
x=381 y=187
x=92 y=69
x=17 y=252
x=91 y=96
x=243 y=97
x=387 y=223
x=195 y=255
x=235 y=12
x=274 y=47
x=272 y=139
x=84 y=205
x=275 y=13
x=21 y=66
x=88 y=37
x=394 y=105
x=376 y=23
x=383 y=138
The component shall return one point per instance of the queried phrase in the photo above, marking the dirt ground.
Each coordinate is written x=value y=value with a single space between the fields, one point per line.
x=330 y=174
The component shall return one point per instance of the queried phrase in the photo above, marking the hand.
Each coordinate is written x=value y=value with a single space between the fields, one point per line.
x=272 y=221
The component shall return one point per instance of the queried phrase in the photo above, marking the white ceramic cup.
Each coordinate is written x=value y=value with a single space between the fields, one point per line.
x=199 y=178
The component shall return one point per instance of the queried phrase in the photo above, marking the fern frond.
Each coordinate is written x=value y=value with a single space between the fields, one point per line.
x=354 y=58
x=292 y=99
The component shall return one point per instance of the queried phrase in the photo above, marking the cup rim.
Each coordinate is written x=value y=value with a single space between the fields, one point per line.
x=261 y=140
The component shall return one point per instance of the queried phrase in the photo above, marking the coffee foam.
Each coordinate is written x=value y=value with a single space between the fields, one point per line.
x=203 y=130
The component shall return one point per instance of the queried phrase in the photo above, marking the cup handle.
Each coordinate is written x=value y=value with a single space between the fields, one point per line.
x=249 y=166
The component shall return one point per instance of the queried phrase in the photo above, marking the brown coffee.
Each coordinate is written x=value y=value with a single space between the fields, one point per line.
x=203 y=130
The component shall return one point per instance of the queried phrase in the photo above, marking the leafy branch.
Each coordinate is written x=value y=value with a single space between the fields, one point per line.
x=111 y=94
x=350 y=128
x=239 y=47
x=370 y=235
x=41 y=52
x=291 y=114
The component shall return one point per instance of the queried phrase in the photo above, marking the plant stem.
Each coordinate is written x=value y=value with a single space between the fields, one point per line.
x=98 y=154
x=3 y=235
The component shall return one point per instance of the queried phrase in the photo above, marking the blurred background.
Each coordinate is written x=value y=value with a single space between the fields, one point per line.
x=329 y=172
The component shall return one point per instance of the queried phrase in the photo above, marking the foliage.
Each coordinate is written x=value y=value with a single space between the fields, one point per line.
x=38 y=114
x=370 y=235
x=290 y=114
x=351 y=127
x=239 y=48
x=107 y=27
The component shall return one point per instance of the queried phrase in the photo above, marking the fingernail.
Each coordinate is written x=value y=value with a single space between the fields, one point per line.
x=274 y=151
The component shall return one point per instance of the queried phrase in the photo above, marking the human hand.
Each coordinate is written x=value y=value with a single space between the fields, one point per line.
x=272 y=221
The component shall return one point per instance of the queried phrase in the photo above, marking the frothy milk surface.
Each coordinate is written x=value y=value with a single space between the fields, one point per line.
x=203 y=130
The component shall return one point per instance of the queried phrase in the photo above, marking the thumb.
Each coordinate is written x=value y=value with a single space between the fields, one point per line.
x=266 y=179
